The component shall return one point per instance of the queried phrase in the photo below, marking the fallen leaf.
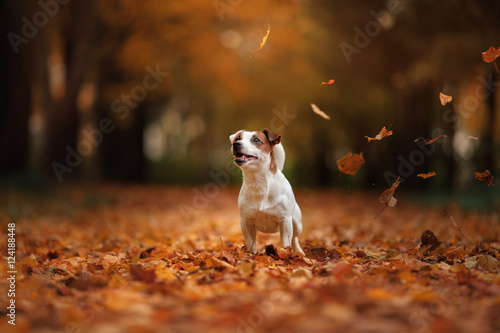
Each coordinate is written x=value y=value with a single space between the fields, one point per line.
x=135 y=259
x=302 y=272
x=426 y=175
x=264 y=39
x=319 y=112
x=285 y=252
x=349 y=164
x=330 y=82
x=379 y=294
x=382 y=134
x=445 y=99
x=163 y=273
x=246 y=269
x=470 y=264
x=428 y=238
x=341 y=269
x=488 y=262
x=271 y=250
x=485 y=177
x=361 y=254
x=141 y=274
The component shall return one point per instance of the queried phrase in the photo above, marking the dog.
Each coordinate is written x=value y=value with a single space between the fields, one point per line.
x=266 y=201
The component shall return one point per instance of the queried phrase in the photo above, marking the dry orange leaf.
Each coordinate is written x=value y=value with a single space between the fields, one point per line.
x=383 y=134
x=330 y=82
x=445 y=99
x=485 y=177
x=387 y=197
x=491 y=54
x=431 y=141
x=319 y=112
x=426 y=175
x=349 y=164
x=263 y=41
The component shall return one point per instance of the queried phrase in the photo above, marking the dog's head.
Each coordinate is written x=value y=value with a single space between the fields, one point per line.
x=253 y=150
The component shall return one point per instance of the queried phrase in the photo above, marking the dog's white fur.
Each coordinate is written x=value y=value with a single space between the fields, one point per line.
x=266 y=200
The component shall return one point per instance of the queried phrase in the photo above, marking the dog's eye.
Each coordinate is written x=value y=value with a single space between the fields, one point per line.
x=256 y=140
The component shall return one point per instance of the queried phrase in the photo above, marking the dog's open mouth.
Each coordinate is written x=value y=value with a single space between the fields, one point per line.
x=240 y=158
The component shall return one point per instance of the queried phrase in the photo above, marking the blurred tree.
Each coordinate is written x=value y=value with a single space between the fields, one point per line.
x=15 y=92
x=76 y=32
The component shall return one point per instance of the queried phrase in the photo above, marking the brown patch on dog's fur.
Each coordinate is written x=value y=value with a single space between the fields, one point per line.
x=267 y=146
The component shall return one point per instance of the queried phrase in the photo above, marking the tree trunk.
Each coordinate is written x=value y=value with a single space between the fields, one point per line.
x=15 y=92
x=63 y=118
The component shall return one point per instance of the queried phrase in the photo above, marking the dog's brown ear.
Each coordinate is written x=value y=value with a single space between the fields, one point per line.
x=273 y=138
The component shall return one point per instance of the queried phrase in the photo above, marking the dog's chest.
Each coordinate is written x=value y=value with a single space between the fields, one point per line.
x=266 y=221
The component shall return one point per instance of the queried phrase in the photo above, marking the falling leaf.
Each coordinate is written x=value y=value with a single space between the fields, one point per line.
x=349 y=164
x=432 y=140
x=319 y=112
x=330 y=82
x=426 y=175
x=485 y=177
x=473 y=137
x=263 y=41
x=445 y=99
x=491 y=55
x=387 y=197
x=383 y=134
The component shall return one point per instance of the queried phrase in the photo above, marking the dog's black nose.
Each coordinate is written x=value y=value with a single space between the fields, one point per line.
x=237 y=144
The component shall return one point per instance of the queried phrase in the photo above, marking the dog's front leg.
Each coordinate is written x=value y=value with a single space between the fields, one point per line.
x=286 y=232
x=250 y=233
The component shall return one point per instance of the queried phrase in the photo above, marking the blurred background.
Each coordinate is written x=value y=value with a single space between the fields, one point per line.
x=149 y=91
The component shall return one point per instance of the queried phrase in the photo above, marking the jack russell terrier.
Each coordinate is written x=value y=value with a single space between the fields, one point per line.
x=266 y=201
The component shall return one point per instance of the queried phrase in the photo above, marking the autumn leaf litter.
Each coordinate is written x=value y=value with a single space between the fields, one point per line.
x=138 y=263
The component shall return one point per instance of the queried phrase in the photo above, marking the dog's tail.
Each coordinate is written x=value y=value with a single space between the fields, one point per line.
x=279 y=156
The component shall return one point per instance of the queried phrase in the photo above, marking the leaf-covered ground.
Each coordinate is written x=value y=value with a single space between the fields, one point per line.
x=156 y=259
